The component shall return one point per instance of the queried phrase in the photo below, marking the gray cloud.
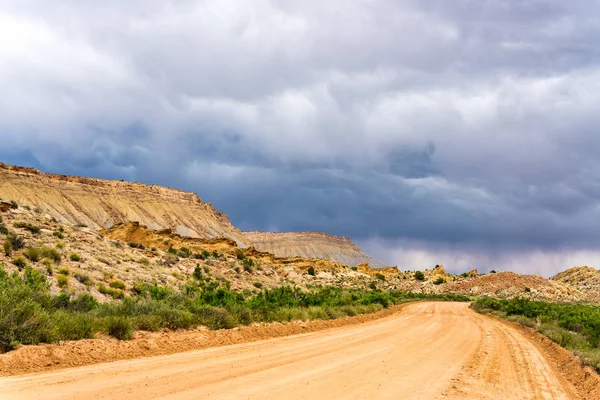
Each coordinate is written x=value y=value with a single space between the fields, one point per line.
x=415 y=128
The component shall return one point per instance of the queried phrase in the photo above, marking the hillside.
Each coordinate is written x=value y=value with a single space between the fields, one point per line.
x=100 y=204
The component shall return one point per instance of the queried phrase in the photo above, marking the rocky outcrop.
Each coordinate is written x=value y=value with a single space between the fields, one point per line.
x=5 y=206
x=584 y=279
x=311 y=245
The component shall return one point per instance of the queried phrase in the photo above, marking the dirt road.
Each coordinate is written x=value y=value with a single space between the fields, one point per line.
x=428 y=351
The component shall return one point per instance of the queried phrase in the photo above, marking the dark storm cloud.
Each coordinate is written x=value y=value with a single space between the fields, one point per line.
x=463 y=130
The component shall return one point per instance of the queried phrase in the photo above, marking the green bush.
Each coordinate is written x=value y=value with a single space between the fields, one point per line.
x=114 y=293
x=23 y=315
x=14 y=205
x=75 y=325
x=63 y=271
x=439 y=281
x=75 y=257
x=3 y=229
x=51 y=254
x=419 y=276
x=311 y=270
x=119 y=327
x=380 y=276
x=258 y=285
x=58 y=234
x=117 y=285
x=198 y=272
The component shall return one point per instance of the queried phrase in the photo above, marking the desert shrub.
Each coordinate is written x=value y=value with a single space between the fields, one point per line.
x=135 y=245
x=116 y=284
x=240 y=255
x=28 y=227
x=380 y=276
x=50 y=254
x=84 y=302
x=248 y=265
x=19 y=262
x=8 y=247
x=75 y=257
x=58 y=234
x=84 y=278
x=114 y=293
x=60 y=245
x=258 y=285
x=311 y=270
x=439 y=281
x=184 y=252
x=215 y=317
x=34 y=254
x=16 y=241
x=75 y=325
x=14 y=205
x=419 y=276
x=144 y=261
x=205 y=254
x=151 y=323
x=116 y=244
x=63 y=271
x=3 y=229
x=198 y=272
x=62 y=280
x=119 y=327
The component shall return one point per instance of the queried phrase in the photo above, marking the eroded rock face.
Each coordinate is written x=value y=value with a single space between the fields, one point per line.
x=100 y=204
x=311 y=245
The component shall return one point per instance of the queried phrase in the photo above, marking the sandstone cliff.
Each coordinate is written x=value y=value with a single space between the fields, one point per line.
x=100 y=204
x=311 y=245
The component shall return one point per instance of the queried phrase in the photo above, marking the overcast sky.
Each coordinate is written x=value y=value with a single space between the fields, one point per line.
x=463 y=133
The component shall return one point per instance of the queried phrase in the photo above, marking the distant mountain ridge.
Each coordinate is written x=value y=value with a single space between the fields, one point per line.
x=100 y=204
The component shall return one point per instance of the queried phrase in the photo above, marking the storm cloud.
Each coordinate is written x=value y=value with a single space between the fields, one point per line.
x=462 y=133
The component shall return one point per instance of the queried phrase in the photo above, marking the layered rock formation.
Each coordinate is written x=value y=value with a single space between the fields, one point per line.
x=100 y=204
x=311 y=245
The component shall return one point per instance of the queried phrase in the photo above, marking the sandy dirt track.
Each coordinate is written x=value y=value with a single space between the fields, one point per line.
x=428 y=351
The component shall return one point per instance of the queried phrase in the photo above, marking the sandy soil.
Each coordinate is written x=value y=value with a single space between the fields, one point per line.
x=428 y=351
